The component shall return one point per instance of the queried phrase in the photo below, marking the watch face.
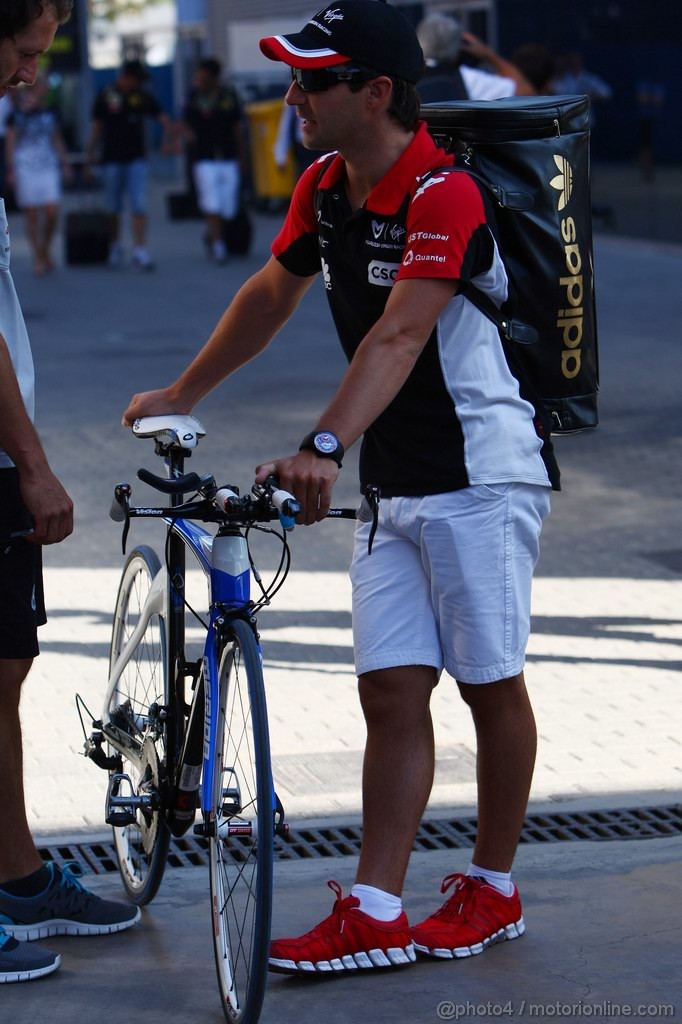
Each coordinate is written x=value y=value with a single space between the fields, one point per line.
x=326 y=443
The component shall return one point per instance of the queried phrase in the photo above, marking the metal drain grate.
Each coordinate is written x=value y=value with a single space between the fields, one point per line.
x=344 y=840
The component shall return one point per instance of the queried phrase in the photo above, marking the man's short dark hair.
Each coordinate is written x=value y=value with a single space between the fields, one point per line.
x=404 y=106
x=211 y=66
x=17 y=15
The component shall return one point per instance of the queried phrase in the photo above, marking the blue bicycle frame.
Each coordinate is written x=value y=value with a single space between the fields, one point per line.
x=224 y=560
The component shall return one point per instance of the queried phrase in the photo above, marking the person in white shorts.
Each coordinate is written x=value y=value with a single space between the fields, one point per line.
x=464 y=463
x=213 y=127
x=36 y=162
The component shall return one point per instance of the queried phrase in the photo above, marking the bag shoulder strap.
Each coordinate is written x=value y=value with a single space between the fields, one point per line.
x=317 y=197
x=513 y=330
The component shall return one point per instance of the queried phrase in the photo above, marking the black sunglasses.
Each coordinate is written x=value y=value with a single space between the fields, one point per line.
x=321 y=79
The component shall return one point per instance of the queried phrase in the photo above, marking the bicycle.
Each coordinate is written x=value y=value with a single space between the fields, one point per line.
x=166 y=758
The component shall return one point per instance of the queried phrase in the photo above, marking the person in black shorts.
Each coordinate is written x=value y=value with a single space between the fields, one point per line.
x=36 y=900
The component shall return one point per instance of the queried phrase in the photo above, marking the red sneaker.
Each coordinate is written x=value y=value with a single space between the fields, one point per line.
x=473 y=918
x=344 y=941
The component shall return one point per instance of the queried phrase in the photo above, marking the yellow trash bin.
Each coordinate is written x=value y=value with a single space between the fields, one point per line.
x=269 y=181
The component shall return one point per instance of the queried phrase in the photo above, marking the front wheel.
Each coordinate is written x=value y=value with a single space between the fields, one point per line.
x=242 y=834
x=137 y=714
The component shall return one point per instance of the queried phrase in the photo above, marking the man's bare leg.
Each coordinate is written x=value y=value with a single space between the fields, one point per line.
x=506 y=745
x=18 y=854
x=398 y=770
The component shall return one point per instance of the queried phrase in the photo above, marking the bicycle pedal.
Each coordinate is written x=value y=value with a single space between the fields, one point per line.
x=121 y=810
x=119 y=819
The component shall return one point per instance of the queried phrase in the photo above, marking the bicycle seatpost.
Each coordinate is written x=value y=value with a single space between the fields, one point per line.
x=176 y=611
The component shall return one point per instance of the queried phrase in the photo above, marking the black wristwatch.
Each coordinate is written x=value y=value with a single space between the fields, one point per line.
x=323 y=443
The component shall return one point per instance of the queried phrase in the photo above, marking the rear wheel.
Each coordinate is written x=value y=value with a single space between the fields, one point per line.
x=241 y=846
x=137 y=715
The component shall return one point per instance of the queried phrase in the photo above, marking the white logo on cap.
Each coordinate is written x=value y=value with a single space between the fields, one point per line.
x=333 y=15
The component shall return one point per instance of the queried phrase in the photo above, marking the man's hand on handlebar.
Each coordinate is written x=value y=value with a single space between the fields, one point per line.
x=151 y=403
x=309 y=478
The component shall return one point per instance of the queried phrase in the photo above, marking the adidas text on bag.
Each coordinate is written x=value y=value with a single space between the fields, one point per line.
x=531 y=155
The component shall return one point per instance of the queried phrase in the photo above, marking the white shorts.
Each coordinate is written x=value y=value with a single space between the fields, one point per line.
x=40 y=187
x=448 y=582
x=217 y=183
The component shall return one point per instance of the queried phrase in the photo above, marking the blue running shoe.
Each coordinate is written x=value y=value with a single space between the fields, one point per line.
x=65 y=907
x=21 y=962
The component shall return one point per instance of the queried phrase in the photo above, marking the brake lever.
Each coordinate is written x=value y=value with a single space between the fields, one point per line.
x=120 y=510
x=370 y=508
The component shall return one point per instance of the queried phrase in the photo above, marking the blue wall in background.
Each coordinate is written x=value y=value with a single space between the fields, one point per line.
x=623 y=41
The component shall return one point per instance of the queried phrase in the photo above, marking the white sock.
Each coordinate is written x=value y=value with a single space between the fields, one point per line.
x=499 y=880
x=382 y=906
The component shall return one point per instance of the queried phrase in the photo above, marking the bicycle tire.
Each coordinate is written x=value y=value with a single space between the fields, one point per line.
x=241 y=867
x=142 y=848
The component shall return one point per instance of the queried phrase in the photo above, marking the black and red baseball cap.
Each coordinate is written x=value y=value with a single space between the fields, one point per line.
x=370 y=33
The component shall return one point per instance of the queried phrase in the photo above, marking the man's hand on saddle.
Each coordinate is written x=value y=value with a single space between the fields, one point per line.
x=150 y=403
x=308 y=477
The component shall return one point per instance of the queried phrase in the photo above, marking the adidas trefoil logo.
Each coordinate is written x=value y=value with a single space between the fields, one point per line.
x=563 y=182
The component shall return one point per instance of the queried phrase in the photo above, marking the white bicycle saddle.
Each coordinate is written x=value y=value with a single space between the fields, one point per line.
x=172 y=428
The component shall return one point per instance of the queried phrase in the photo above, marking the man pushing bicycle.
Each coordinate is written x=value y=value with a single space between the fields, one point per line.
x=464 y=477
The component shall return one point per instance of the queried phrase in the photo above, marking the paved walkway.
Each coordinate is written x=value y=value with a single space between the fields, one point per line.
x=606 y=695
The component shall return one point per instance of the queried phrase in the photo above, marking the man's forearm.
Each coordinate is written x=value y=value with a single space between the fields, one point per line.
x=386 y=357
x=245 y=329
x=372 y=381
x=18 y=436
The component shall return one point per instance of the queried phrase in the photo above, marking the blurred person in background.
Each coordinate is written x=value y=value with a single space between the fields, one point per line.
x=118 y=132
x=290 y=138
x=573 y=80
x=650 y=97
x=447 y=77
x=213 y=129
x=36 y=162
x=537 y=63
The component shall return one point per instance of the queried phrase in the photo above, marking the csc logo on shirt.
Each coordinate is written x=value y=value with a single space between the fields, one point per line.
x=383 y=274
